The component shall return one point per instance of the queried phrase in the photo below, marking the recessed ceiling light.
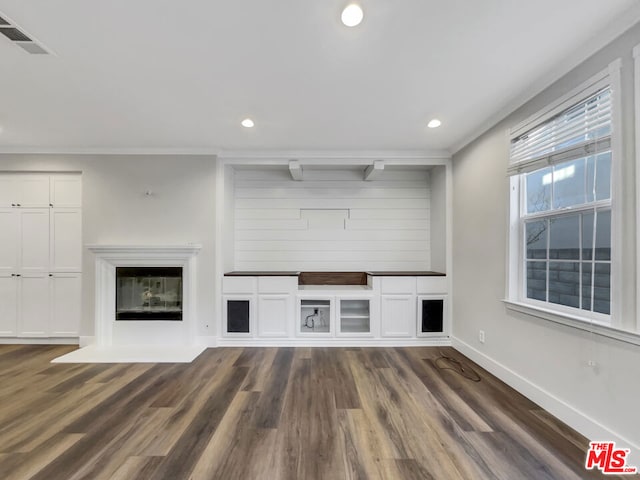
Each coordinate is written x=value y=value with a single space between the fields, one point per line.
x=435 y=123
x=352 y=15
x=247 y=123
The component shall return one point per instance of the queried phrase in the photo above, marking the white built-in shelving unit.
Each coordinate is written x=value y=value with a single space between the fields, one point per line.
x=41 y=254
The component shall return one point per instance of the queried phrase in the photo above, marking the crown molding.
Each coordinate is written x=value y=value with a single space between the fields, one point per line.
x=334 y=154
x=9 y=150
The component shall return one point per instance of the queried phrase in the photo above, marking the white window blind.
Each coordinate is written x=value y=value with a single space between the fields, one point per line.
x=581 y=130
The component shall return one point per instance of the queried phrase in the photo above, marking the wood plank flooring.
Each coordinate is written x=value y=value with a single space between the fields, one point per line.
x=274 y=413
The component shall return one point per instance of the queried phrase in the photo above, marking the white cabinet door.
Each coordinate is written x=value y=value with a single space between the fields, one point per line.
x=34 y=191
x=66 y=240
x=398 y=315
x=9 y=240
x=66 y=301
x=34 y=240
x=8 y=305
x=9 y=190
x=275 y=312
x=66 y=191
x=34 y=304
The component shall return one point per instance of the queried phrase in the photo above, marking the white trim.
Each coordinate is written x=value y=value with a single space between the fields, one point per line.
x=296 y=171
x=84 y=341
x=374 y=170
x=219 y=266
x=108 y=257
x=515 y=281
x=367 y=156
x=38 y=341
x=577 y=420
x=449 y=241
x=592 y=45
x=617 y=191
x=44 y=150
x=207 y=341
x=574 y=321
x=130 y=251
x=305 y=341
x=636 y=83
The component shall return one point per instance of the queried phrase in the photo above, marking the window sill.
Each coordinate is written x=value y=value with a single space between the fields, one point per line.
x=574 y=322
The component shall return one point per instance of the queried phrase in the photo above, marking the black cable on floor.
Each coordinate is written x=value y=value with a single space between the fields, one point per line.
x=455 y=365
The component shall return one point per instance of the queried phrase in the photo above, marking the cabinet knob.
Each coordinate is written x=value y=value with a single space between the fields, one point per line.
x=13 y=274
x=18 y=275
x=13 y=204
x=18 y=205
x=51 y=205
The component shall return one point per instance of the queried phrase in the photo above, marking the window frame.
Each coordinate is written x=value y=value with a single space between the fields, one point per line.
x=515 y=297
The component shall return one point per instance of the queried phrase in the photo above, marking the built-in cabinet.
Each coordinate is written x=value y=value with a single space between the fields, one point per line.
x=41 y=255
x=405 y=298
x=387 y=310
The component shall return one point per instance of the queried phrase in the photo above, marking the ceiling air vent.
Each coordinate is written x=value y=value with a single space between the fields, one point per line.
x=14 y=34
x=17 y=36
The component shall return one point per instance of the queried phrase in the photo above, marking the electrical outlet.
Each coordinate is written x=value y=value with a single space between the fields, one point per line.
x=481 y=336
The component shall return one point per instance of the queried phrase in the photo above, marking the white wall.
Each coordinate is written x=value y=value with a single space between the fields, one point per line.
x=546 y=361
x=116 y=211
x=333 y=220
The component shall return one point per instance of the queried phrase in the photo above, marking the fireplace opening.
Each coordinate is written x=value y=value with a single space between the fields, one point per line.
x=149 y=293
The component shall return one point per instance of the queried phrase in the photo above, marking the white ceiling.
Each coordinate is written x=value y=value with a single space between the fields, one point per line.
x=168 y=75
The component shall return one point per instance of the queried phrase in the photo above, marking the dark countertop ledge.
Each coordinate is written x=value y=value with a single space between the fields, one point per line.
x=407 y=274
x=262 y=274
x=373 y=274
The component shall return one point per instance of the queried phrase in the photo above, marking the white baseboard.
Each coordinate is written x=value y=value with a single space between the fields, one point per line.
x=86 y=341
x=332 y=342
x=39 y=341
x=207 y=341
x=577 y=420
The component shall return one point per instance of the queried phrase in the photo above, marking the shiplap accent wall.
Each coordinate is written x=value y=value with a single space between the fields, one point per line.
x=333 y=220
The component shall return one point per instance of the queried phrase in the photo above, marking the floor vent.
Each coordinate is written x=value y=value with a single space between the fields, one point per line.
x=17 y=36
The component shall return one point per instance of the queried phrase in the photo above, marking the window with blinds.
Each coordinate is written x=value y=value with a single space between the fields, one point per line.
x=580 y=130
x=564 y=169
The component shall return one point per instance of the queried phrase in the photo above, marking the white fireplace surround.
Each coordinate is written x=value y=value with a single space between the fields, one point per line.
x=108 y=332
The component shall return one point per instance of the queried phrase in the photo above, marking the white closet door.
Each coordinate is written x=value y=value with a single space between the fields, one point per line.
x=34 y=191
x=8 y=305
x=34 y=295
x=34 y=240
x=66 y=191
x=66 y=240
x=65 y=304
x=9 y=190
x=9 y=240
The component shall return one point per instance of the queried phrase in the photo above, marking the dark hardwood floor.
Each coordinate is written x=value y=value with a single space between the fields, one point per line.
x=274 y=413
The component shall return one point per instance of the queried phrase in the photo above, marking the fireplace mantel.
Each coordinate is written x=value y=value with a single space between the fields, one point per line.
x=107 y=330
x=128 y=250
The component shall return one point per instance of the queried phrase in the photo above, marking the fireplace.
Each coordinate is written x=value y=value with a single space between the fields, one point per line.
x=149 y=293
x=134 y=281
